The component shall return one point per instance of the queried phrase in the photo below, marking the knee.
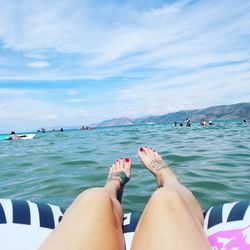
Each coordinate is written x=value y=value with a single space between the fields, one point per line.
x=95 y=197
x=169 y=197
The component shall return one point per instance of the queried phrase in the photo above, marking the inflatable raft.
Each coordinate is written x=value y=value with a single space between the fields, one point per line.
x=25 y=224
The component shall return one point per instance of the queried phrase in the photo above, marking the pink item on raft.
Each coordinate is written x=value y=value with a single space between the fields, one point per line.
x=237 y=239
x=228 y=226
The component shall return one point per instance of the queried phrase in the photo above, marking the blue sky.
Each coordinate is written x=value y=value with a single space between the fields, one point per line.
x=70 y=62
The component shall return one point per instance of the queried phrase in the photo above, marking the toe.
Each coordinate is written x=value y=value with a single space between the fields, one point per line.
x=113 y=166
x=151 y=152
x=127 y=163
x=141 y=150
x=147 y=150
x=121 y=163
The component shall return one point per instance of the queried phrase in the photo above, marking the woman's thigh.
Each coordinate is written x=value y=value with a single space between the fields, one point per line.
x=92 y=222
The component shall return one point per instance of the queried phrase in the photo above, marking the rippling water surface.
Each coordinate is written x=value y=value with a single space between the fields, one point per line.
x=214 y=162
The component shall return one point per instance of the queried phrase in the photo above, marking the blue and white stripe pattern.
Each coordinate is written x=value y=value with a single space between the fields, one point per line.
x=236 y=212
x=29 y=213
x=25 y=225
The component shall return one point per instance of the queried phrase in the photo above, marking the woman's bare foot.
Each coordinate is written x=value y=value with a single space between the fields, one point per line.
x=119 y=175
x=154 y=163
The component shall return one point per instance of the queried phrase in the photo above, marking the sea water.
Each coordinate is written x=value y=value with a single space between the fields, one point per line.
x=54 y=167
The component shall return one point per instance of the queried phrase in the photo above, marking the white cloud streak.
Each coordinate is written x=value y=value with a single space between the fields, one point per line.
x=38 y=64
x=156 y=34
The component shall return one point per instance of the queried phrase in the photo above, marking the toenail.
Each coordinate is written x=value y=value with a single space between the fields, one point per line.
x=127 y=159
x=141 y=149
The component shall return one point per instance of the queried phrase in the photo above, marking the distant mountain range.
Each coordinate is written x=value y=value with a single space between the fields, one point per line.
x=222 y=112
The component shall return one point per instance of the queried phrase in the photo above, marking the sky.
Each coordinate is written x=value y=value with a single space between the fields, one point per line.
x=77 y=62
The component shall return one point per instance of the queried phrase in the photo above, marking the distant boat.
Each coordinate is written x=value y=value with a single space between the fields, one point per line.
x=150 y=123
x=86 y=128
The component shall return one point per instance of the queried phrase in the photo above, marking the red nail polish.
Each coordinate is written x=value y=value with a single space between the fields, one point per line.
x=141 y=149
x=127 y=159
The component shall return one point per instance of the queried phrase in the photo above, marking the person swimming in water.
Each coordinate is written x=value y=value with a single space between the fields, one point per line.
x=172 y=219
x=188 y=122
x=203 y=123
x=174 y=124
x=13 y=136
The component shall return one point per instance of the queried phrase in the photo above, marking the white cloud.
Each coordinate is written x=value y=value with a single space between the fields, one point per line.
x=34 y=55
x=73 y=92
x=79 y=100
x=38 y=64
x=30 y=114
x=49 y=26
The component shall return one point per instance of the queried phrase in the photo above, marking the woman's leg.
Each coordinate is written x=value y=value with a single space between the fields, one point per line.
x=94 y=220
x=173 y=217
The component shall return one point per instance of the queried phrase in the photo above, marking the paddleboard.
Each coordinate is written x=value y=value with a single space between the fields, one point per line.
x=20 y=137
x=26 y=136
